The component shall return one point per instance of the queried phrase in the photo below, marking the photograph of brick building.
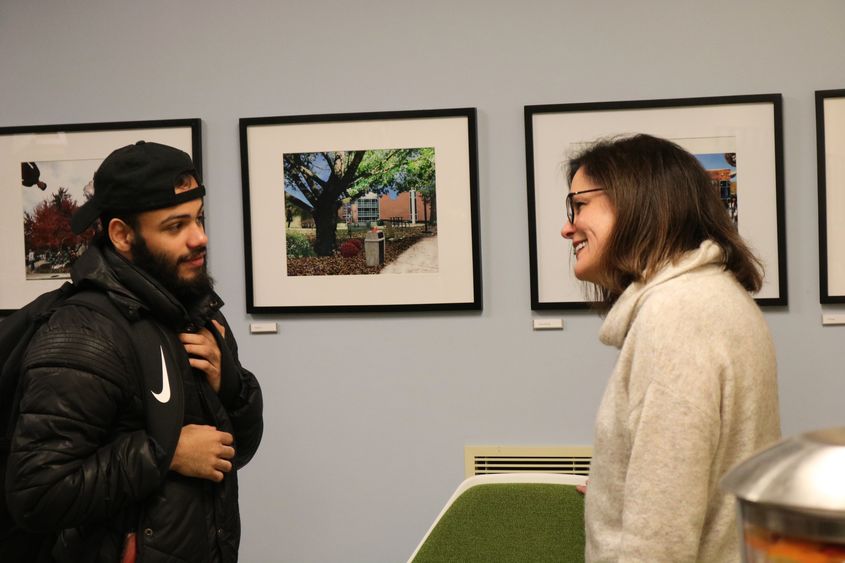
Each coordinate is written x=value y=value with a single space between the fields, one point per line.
x=392 y=208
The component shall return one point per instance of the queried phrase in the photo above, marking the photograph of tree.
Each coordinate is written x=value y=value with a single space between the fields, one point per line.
x=361 y=212
x=722 y=170
x=52 y=191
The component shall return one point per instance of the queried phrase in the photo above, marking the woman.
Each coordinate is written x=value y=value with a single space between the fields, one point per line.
x=694 y=390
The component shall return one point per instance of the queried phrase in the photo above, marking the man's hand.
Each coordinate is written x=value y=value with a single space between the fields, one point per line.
x=203 y=452
x=204 y=353
x=582 y=488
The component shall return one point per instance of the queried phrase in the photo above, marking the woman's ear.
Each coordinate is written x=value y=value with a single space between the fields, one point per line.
x=121 y=236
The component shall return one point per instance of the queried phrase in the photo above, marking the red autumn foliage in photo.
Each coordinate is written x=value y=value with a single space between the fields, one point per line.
x=48 y=226
x=349 y=249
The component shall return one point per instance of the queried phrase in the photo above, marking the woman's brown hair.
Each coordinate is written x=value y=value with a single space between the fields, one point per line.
x=665 y=206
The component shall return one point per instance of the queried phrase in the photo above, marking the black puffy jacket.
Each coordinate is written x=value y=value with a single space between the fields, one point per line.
x=82 y=462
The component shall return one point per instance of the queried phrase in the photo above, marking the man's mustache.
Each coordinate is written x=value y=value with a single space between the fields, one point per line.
x=193 y=255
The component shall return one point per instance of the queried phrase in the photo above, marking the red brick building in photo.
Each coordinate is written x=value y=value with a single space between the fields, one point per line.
x=372 y=207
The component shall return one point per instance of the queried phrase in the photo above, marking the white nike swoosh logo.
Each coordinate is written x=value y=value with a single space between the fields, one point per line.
x=164 y=396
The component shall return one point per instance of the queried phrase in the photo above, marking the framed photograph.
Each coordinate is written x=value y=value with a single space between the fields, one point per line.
x=47 y=172
x=361 y=212
x=738 y=139
x=830 y=146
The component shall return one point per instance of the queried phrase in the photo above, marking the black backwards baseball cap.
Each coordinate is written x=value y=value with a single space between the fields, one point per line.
x=139 y=177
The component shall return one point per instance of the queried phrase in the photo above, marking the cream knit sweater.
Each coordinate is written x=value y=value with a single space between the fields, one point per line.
x=694 y=392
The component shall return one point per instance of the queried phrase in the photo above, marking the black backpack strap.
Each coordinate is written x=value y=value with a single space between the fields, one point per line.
x=161 y=379
x=16 y=331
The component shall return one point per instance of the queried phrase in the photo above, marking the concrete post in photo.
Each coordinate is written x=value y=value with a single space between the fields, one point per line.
x=374 y=248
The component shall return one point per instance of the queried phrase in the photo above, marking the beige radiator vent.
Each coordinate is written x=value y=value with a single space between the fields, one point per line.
x=485 y=460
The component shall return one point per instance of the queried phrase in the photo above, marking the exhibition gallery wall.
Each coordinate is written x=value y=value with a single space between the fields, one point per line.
x=454 y=117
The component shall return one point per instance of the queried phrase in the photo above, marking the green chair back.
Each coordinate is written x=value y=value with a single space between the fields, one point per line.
x=509 y=522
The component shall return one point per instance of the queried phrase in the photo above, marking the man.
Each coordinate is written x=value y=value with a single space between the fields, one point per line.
x=31 y=176
x=89 y=459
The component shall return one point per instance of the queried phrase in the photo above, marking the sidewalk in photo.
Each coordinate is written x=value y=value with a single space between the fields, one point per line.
x=419 y=259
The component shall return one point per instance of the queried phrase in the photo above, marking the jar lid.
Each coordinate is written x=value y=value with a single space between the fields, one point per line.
x=804 y=473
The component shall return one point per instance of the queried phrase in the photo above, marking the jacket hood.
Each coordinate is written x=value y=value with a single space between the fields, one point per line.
x=134 y=291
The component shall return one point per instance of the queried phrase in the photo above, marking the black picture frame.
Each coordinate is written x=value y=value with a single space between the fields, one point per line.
x=830 y=150
x=276 y=150
x=70 y=152
x=748 y=125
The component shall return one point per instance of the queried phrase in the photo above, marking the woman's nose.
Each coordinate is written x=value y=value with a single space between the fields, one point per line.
x=567 y=230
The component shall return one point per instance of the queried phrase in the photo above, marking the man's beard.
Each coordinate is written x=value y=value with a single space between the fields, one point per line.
x=166 y=272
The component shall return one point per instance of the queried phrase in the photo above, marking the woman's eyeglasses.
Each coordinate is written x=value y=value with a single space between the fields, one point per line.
x=570 y=206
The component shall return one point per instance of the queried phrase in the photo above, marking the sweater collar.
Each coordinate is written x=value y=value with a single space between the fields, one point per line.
x=620 y=317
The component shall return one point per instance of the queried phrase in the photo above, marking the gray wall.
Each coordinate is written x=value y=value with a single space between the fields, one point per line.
x=358 y=458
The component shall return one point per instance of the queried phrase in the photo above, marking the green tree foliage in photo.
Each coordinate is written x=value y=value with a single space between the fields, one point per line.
x=322 y=180
x=298 y=246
